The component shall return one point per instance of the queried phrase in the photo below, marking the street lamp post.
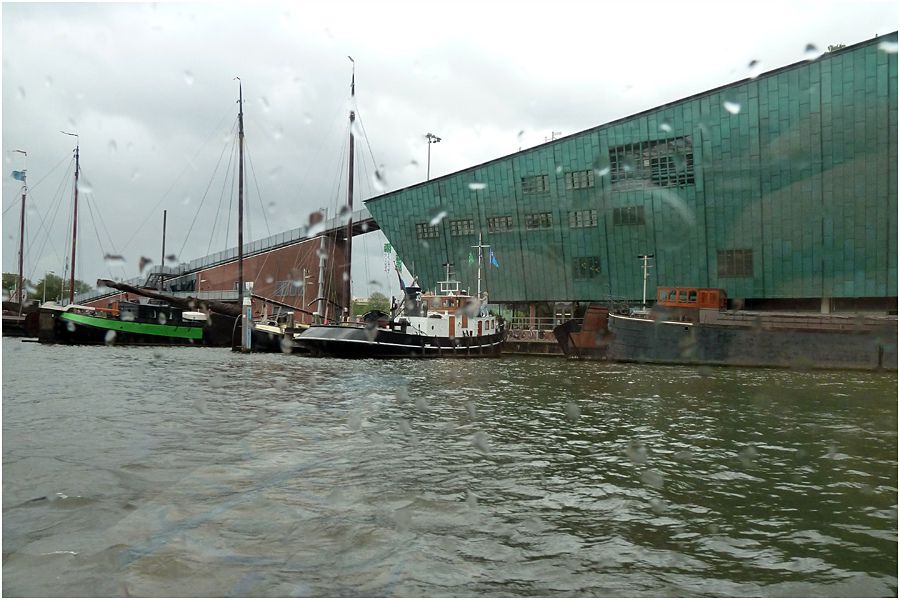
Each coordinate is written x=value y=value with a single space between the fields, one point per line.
x=46 y=277
x=432 y=139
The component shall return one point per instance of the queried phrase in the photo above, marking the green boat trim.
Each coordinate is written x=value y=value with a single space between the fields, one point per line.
x=153 y=329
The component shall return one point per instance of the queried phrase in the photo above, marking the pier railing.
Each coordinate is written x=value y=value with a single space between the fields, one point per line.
x=538 y=329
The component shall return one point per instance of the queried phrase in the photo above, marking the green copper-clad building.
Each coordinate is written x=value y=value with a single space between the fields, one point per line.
x=781 y=190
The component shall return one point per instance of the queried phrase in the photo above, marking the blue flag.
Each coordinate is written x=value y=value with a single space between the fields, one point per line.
x=494 y=259
x=19 y=175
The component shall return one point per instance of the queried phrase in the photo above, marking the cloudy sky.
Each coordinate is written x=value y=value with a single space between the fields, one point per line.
x=150 y=90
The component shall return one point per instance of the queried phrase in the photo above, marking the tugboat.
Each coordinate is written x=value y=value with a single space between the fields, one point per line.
x=449 y=323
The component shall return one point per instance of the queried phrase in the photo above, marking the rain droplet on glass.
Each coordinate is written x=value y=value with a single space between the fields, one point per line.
x=21 y=93
x=112 y=146
x=811 y=52
x=653 y=478
x=481 y=442
x=665 y=126
x=70 y=326
x=114 y=260
x=422 y=404
x=189 y=78
x=110 y=337
x=637 y=452
x=477 y=185
x=754 y=67
x=265 y=103
x=888 y=47
x=573 y=413
x=732 y=107
x=436 y=219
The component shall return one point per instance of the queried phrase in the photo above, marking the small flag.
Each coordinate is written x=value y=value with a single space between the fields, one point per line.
x=471 y=259
x=494 y=259
x=19 y=175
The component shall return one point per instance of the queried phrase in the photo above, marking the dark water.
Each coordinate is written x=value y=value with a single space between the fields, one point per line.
x=197 y=472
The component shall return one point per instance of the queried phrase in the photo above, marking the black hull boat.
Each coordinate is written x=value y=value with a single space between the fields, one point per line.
x=691 y=335
x=355 y=341
x=446 y=324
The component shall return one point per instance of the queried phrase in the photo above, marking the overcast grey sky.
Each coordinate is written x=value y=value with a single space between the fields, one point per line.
x=150 y=90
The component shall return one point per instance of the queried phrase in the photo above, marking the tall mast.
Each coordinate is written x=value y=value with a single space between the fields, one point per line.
x=162 y=258
x=349 y=245
x=240 y=193
x=480 y=246
x=21 y=281
x=74 y=221
x=320 y=305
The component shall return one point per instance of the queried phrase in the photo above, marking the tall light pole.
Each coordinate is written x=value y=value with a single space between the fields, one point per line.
x=432 y=139
x=46 y=277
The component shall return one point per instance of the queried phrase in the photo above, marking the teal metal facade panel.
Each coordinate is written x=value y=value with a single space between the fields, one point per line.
x=795 y=171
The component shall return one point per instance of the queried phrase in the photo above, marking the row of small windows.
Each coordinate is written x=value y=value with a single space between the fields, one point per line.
x=734 y=263
x=578 y=219
x=575 y=180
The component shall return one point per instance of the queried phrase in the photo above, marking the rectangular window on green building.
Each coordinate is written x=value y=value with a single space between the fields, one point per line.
x=628 y=215
x=535 y=184
x=582 y=218
x=539 y=221
x=585 y=267
x=665 y=163
x=500 y=224
x=462 y=227
x=426 y=231
x=735 y=263
x=576 y=180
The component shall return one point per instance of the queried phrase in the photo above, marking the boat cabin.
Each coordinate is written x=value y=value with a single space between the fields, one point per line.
x=691 y=297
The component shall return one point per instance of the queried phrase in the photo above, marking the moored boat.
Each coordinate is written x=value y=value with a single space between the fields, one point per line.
x=450 y=323
x=693 y=326
x=127 y=323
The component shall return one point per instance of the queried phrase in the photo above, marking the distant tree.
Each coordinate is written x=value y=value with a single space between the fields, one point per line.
x=377 y=301
x=834 y=47
x=10 y=281
x=55 y=287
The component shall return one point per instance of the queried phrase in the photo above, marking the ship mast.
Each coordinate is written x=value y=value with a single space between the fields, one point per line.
x=21 y=280
x=74 y=221
x=349 y=244
x=240 y=193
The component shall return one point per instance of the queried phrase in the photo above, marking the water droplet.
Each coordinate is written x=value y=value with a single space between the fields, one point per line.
x=127 y=317
x=200 y=405
x=888 y=47
x=274 y=173
x=186 y=201
x=811 y=52
x=265 y=103
x=270 y=207
x=747 y=456
x=422 y=404
x=354 y=421
x=70 y=326
x=683 y=455
x=658 y=506
x=754 y=68
x=637 y=452
x=322 y=253
x=171 y=258
x=436 y=219
x=413 y=163
x=653 y=478
x=378 y=180
x=278 y=133
x=112 y=146
x=481 y=442
x=48 y=81
x=732 y=107
x=84 y=187
x=217 y=380
x=307 y=118
x=287 y=346
x=270 y=279
x=471 y=500
x=110 y=337
x=189 y=78
x=114 y=260
x=475 y=186
x=135 y=174
x=602 y=172
x=559 y=169
x=404 y=426
x=521 y=134
x=21 y=93
x=144 y=263
x=161 y=318
x=573 y=413
x=665 y=126
x=470 y=408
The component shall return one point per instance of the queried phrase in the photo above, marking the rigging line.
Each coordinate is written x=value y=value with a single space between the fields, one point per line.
x=258 y=193
x=366 y=137
x=221 y=195
x=189 y=164
x=229 y=213
x=102 y=223
x=15 y=200
x=89 y=201
x=203 y=198
x=57 y=198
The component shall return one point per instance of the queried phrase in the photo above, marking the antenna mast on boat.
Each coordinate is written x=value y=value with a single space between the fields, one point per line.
x=74 y=220
x=646 y=258
x=21 y=281
x=349 y=245
x=480 y=247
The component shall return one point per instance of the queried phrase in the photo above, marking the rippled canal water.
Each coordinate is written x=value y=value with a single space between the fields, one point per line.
x=198 y=472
